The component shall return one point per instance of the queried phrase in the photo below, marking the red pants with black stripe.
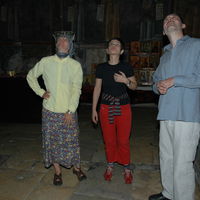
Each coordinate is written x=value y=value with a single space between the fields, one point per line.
x=116 y=135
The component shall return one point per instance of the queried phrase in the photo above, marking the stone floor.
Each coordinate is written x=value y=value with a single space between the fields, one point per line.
x=23 y=176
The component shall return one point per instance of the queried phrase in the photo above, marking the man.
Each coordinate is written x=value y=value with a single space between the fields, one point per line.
x=62 y=77
x=177 y=80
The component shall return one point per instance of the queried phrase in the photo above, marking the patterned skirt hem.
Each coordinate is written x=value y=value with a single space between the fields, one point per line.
x=66 y=165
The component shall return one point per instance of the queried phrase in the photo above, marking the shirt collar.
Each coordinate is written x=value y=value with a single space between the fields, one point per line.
x=60 y=60
x=183 y=39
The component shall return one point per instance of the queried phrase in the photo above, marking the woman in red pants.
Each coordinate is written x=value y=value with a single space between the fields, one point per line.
x=112 y=79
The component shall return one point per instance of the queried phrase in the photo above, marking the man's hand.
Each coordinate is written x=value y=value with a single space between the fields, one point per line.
x=68 y=119
x=167 y=83
x=164 y=85
x=46 y=95
x=161 y=88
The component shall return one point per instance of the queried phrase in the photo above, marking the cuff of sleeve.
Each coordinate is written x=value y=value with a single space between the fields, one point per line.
x=71 y=109
x=69 y=112
x=41 y=92
x=178 y=80
x=155 y=89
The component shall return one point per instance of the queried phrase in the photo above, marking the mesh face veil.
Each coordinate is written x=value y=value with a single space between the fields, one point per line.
x=69 y=35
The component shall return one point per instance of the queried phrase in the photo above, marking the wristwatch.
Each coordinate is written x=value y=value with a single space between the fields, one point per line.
x=69 y=112
x=129 y=82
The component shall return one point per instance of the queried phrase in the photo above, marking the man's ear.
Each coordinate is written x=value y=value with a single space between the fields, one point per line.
x=122 y=51
x=183 y=26
x=107 y=51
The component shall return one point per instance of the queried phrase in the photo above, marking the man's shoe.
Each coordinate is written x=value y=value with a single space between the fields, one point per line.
x=158 y=197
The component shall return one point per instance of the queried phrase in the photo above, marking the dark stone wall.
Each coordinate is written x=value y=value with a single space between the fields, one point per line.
x=190 y=12
x=36 y=20
x=94 y=30
x=130 y=17
x=22 y=20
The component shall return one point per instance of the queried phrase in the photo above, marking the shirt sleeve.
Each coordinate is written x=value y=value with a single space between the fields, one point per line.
x=99 y=72
x=156 y=77
x=189 y=81
x=32 y=78
x=76 y=89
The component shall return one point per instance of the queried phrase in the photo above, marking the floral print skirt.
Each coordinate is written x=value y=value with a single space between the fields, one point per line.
x=60 y=141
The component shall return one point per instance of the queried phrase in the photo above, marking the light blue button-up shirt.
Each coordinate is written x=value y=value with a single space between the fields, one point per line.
x=182 y=101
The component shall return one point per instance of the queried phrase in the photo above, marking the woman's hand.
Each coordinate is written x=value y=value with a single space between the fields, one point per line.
x=46 y=95
x=121 y=78
x=95 y=118
x=68 y=119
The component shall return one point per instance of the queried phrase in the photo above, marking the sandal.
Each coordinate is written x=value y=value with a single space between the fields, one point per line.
x=128 y=177
x=57 y=180
x=108 y=174
x=79 y=173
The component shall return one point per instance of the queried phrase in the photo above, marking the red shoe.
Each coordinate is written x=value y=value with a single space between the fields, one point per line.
x=128 y=177
x=108 y=174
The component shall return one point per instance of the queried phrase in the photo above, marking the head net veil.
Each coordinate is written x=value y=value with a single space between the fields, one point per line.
x=69 y=35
